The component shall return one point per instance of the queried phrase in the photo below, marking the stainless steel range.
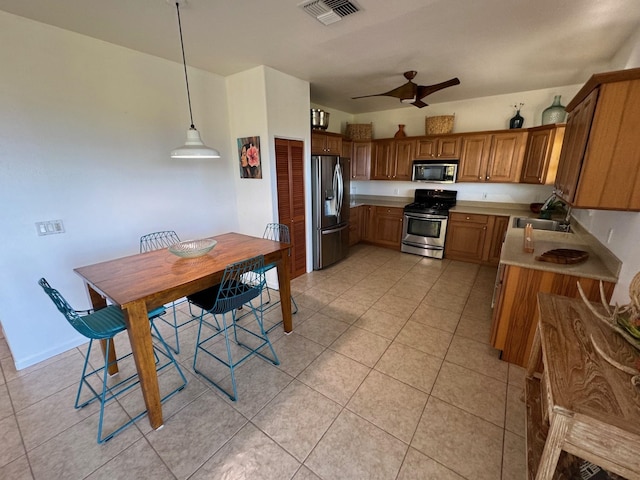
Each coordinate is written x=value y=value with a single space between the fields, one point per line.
x=425 y=222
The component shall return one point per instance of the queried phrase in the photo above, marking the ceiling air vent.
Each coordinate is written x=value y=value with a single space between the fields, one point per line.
x=329 y=11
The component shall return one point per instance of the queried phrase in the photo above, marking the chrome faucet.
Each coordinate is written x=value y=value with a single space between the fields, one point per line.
x=550 y=204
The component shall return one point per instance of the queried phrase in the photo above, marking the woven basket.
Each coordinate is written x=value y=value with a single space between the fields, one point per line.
x=359 y=131
x=439 y=125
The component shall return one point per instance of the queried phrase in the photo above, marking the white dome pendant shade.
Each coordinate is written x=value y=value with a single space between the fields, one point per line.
x=194 y=147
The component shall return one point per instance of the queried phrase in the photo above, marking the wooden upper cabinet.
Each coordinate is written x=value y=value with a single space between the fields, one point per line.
x=542 y=154
x=434 y=148
x=474 y=155
x=505 y=156
x=392 y=159
x=361 y=160
x=326 y=143
x=493 y=157
x=600 y=159
x=381 y=159
x=402 y=157
x=347 y=148
x=574 y=146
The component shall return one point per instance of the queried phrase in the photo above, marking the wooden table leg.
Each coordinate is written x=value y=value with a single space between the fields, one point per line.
x=98 y=302
x=284 y=283
x=553 y=447
x=139 y=329
x=536 y=354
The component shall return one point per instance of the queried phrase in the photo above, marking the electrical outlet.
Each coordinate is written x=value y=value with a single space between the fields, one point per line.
x=396 y=191
x=484 y=195
x=50 y=227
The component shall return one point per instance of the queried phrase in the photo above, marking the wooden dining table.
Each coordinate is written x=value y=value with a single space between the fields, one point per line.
x=140 y=283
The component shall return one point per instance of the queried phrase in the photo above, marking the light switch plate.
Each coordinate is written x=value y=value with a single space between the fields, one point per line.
x=50 y=227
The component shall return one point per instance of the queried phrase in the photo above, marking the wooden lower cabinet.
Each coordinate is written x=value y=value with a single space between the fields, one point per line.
x=496 y=234
x=382 y=226
x=475 y=238
x=355 y=224
x=515 y=311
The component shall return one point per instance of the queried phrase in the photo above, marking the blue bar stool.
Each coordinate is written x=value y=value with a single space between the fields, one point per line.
x=156 y=241
x=105 y=324
x=242 y=284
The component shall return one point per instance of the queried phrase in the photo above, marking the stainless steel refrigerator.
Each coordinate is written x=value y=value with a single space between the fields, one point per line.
x=330 y=190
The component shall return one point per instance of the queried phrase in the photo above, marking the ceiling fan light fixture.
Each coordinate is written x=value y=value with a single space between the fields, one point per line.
x=408 y=100
x=194 y=147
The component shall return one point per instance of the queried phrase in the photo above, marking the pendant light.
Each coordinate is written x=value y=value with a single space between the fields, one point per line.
x=194 y=147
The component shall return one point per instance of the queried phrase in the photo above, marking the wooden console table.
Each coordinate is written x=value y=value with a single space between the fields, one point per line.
x=581 y=404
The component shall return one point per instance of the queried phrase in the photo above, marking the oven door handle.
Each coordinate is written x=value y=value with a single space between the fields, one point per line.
x=426 y=217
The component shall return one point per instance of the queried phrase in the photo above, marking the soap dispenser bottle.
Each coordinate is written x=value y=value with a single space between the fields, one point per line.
x=528 y=238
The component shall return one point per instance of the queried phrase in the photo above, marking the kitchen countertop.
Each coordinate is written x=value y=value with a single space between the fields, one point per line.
x=380 y=201
x=601 y=264
x=493 y=208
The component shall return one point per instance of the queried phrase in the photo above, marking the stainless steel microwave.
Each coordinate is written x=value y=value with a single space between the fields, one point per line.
x=434 y=171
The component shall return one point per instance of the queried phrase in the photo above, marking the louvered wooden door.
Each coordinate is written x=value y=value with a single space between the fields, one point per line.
x=291 y=211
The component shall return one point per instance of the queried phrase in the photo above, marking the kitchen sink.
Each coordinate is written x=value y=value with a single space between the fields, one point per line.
x=541 y=224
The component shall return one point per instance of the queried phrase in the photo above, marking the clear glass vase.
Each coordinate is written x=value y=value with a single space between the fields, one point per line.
x=555 y=113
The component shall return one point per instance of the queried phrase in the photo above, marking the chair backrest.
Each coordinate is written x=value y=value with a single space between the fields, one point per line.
x=63 y=306
x=278 y=232
x=241 y=282
x=158 y=240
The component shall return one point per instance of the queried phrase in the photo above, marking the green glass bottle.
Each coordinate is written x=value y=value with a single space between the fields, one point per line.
x=555 y=113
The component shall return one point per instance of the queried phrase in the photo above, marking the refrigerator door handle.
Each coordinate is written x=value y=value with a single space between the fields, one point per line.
x=339 y=190
x=334 y=230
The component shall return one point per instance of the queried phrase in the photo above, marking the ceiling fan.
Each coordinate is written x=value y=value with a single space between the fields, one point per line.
x=412 y=93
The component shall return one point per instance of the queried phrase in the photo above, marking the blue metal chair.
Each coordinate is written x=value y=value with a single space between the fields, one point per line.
x=242 y=283
x=279 y=233
x=105 y=324
x=156 y=241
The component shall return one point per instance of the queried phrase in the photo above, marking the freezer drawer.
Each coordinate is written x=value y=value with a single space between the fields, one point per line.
x=332 y=245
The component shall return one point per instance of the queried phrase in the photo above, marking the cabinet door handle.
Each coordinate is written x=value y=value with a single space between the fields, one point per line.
x=480 y=177
x=468 y=218
x=488 y=177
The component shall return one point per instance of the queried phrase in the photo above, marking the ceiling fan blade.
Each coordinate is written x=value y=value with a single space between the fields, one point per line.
x=424 y=90
x=406 y=91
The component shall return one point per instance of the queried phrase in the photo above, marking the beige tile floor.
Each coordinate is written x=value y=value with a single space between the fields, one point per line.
x=387 y=375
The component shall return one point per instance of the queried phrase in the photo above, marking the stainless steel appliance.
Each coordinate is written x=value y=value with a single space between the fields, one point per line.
x=435 y=171
x=425 y=222
x=330 y=191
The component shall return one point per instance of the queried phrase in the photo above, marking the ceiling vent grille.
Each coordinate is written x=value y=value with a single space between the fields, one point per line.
x=329 y=11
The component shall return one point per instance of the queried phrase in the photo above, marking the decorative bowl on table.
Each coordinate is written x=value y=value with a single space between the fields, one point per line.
x=193 y=248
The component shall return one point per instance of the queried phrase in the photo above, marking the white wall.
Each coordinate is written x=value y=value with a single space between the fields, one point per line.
x=288 y=113
x=268 y=103
x=474 y=114
x=247 y=118
x=86 y=128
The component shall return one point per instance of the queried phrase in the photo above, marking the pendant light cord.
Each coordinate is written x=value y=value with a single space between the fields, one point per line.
x=184 y=63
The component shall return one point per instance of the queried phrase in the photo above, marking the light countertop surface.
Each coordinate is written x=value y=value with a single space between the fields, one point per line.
x=601 y=264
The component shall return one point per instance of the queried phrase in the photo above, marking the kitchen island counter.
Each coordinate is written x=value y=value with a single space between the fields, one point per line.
x=601 y=264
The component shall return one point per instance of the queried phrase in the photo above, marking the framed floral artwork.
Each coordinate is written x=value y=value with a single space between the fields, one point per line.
x=249 y=157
